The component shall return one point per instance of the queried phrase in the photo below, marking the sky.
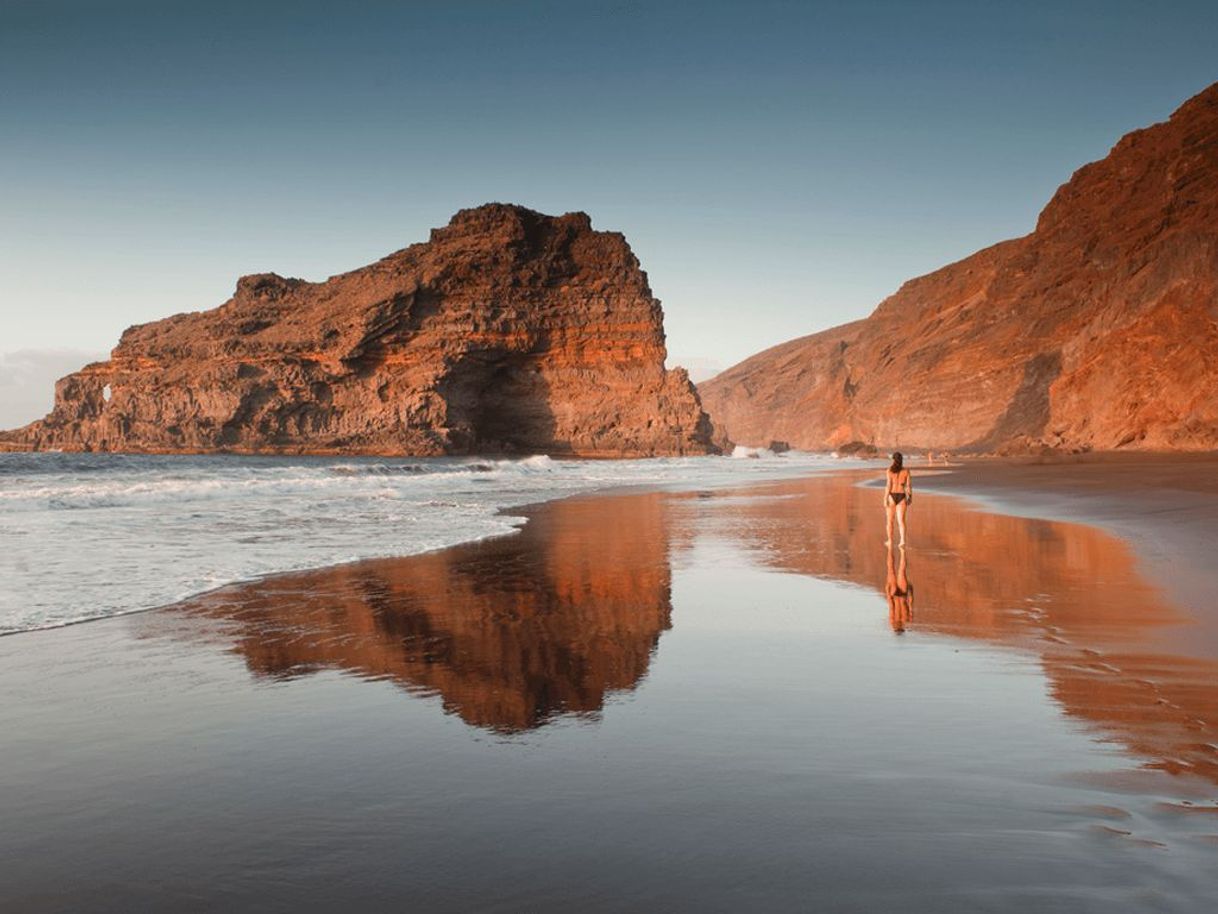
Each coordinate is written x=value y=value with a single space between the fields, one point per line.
x=778 y=167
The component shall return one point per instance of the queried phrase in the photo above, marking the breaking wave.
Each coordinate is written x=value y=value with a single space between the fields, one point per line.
x=87 y=536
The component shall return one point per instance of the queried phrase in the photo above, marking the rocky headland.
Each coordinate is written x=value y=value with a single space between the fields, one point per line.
x=1097 y=331
x=508 y=331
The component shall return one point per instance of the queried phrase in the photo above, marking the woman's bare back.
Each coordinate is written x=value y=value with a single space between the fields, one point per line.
x=898 y=482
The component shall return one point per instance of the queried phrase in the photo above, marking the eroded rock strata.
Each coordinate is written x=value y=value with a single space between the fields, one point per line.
x=508 y=331
x=1099 y=330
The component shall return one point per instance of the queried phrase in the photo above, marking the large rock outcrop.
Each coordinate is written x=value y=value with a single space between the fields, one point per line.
x=508 y=331
x=1099 y=330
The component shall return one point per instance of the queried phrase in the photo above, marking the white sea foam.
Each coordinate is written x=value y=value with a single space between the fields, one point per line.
x=742 y=452
x=89 y=536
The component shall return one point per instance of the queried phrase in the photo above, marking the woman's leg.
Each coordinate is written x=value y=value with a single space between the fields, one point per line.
x=889 y=511
x=901 y=509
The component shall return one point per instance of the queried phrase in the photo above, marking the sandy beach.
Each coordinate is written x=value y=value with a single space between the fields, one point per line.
x=714 y=700
x=1165 y=506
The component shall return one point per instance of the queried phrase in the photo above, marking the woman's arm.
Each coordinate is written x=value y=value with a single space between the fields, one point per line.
x=908 y=487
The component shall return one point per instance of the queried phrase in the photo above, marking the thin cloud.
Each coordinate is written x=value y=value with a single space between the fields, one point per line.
x=699 y=368
x=27 y=381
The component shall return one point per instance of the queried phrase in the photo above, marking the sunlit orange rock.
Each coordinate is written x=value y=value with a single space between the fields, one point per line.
x=1099 y=330
x=508 y=331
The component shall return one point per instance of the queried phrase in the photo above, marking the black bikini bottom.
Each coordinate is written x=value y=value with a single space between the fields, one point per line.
x=898 y=497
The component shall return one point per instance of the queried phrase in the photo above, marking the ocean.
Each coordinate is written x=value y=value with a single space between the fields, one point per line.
x=87 y=536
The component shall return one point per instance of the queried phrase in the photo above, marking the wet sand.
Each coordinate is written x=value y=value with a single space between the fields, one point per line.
x=1164 y=506
x=708 y=701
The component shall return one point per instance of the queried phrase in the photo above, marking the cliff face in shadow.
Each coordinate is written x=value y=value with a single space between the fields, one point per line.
x=508 y=331
x=1099 y=330
x=508 y=633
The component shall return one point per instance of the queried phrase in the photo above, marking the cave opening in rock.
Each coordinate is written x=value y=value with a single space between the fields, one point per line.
x=498 y=402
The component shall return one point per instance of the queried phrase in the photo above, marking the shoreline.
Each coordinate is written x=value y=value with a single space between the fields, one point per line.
x=1168 y=540
x=626 y=674
x=1165 y=507
x=516 y=511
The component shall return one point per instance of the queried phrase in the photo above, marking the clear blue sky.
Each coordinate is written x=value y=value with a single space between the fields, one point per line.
x=778 y=167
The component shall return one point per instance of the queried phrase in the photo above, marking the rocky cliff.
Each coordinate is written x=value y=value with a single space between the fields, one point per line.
x=508 y=330
x=1099 y=330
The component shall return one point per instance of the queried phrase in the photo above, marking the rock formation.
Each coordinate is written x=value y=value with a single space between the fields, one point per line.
x=1099 y=330
x=508 y=331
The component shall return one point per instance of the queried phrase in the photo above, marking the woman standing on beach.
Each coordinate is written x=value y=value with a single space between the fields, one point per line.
x=898 y=495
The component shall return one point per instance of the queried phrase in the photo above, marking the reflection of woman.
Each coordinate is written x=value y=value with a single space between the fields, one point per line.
x=899 y=592
x=898 y=495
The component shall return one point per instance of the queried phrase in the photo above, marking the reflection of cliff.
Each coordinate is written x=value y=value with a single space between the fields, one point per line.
x=512 y=632
x=1067 y=591
x=509 y=633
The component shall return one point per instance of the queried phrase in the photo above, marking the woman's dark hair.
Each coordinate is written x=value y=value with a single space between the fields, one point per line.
x=897 y=462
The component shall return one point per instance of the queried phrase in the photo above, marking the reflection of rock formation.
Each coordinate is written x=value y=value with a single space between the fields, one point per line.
x=1067 y=591
x=513 y=631
x=509 y=633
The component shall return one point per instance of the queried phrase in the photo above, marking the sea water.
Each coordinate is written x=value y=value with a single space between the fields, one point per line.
x=85 y=536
